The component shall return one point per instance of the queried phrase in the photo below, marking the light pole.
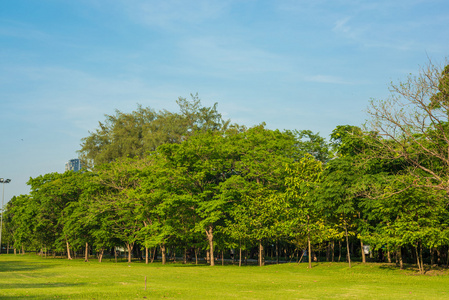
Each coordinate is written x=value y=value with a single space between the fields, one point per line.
x=3 y=181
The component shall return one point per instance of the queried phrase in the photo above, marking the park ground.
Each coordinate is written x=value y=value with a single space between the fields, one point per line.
x=33 y=277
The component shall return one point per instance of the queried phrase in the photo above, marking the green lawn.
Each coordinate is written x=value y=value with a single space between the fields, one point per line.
x=32 y=277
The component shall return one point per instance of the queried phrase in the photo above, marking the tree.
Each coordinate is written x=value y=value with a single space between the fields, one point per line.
x=260 y=161
x=303 y=178
x=413 y=125
x=204 y=160
x=143 y=130
x=118 y=200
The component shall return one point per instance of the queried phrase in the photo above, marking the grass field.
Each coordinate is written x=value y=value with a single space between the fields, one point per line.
x=33 y=277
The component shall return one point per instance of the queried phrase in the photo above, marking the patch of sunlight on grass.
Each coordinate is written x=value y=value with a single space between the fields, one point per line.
x=30 y=276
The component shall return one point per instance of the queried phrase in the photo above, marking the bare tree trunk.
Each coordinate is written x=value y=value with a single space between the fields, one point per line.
x=339 y=251
x=363 y=252
x=68 y=250
x=222 y=257
x=432 y=256
x=261 y=254
x=309 y=246
x=240 y=256
x=130 y=247
x=417 y=259
x=388 y=256
x=196 y=256
x=420 y=257
x=277 y=251
x=100 y=255
x=146 y=256
x=23 y=250
x=333 y=250
x=347 y=245
x=210 y=238
x=153 y=256
x=86 y=254
x=164 y=254
x=399 y=255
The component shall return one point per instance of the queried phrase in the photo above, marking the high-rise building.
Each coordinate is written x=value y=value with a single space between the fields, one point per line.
x=73 y=165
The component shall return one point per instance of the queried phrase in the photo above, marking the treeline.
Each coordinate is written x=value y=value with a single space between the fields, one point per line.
x=192 y=182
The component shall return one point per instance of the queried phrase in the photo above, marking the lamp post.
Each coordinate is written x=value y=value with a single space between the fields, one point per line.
x=3 y=181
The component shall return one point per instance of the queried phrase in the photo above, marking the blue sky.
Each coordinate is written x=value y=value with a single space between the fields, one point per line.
x=292 y=64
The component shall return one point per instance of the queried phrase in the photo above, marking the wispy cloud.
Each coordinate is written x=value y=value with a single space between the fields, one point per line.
x=231 y=54
x=170 y=14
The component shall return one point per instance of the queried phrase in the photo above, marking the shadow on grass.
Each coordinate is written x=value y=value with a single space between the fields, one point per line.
x=40 y=285
x=20 y=266
x=413 y=268
x=394 y=267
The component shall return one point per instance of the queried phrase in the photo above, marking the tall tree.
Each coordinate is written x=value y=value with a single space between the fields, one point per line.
x=134 y=134
x=413 y=125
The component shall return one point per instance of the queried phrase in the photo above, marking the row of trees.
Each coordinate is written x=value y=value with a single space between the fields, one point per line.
x=193 y=181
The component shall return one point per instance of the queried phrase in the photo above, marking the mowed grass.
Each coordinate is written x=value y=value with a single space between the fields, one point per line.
x=33 y=277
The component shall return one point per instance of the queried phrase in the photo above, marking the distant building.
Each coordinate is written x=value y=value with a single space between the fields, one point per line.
x=73 y=165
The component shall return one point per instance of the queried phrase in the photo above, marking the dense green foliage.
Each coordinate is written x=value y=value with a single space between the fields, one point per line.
x=190 y=184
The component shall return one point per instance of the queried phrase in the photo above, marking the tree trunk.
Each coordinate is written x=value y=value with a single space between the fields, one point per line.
x=153 y=256
x=333 y=251
x=23 y=250
x=432 y=256
x=130 y=247
x=347 y=245
x=146 y=255
x=210 y=238
x=363 y=252
x=196 y=255
x=309 y=246
x=417 y=259
x=339 y=251
x=100 y=255
x=164 y=254
x=399 y=255
x=222 y=257
x=261 y=254
x=418 y=262
x=420 y=258
x=240 y=256
x=68 y=250
x=277 y=251
x=388 y=256
x=86 y=254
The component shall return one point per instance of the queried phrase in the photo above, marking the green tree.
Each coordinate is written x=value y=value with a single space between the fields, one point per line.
x=303 y=178
x=134 y=134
